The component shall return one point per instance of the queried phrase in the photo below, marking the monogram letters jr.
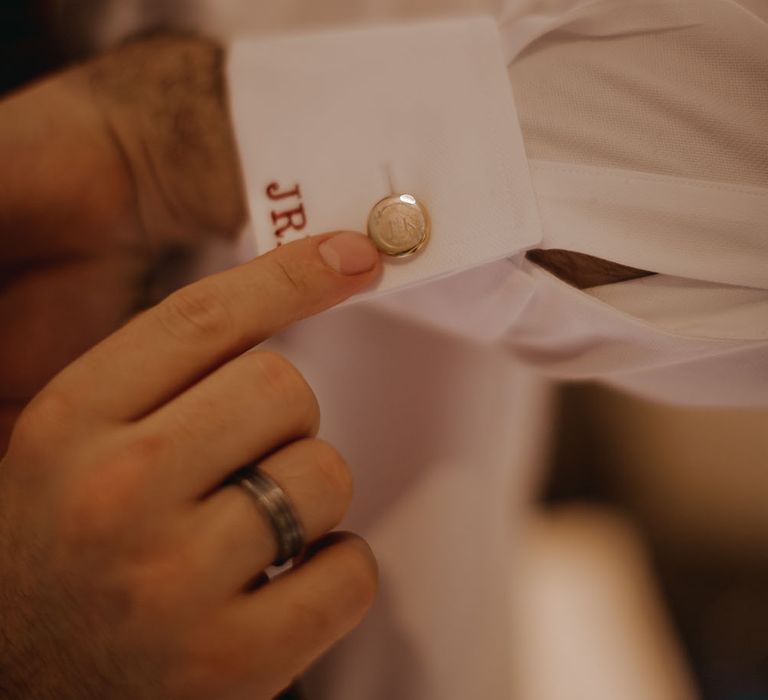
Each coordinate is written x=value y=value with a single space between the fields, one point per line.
x=291 y=218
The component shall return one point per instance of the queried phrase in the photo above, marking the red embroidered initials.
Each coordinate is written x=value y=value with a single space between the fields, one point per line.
x=294 y=219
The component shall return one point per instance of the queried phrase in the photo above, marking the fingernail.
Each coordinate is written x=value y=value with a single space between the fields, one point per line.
x=349 y=253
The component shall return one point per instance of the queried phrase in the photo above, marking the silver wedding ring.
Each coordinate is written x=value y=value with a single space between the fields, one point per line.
x=273 y=502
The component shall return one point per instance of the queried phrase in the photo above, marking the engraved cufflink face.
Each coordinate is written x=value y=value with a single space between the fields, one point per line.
x=399 y=225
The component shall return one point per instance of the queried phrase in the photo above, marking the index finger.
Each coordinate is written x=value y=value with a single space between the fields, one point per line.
x=200 y=327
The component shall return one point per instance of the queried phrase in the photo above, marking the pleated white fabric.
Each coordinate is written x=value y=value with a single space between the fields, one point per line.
x=645 y=127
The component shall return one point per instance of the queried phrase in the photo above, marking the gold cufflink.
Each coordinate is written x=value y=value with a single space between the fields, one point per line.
x=399 y=225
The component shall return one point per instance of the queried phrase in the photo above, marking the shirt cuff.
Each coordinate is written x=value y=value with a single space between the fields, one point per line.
x=330 y=123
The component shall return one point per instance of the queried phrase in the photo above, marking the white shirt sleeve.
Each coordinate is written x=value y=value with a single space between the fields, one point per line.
x=329 y=123
x=644 y=123
x=643 y=127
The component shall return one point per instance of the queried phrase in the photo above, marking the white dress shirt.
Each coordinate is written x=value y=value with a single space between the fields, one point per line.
x=644 y=128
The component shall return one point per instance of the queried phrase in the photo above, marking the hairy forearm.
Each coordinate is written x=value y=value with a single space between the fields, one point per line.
x=164 y=103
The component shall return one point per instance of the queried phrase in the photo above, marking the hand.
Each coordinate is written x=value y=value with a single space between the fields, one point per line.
x=108 y=171
x=128 y=564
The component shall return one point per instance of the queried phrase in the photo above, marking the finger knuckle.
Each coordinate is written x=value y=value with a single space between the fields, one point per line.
x=356 y=587
x=291 y=276
x=289 y=387
x=333 y=468
x=145 y=452
x=197 y=313
x=318 y=622
x=361 y=578
x=108 y=491
x=49 y=413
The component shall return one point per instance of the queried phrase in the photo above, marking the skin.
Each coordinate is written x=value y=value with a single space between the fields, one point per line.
x=128 y=564
x=110 y=171
x=130 y=567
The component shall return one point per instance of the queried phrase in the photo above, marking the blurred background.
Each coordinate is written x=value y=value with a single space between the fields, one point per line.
x=685 y=491
x=649 y=536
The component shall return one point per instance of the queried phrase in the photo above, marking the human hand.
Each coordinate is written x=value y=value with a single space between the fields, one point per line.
x=108 y=171
x=128 y=563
